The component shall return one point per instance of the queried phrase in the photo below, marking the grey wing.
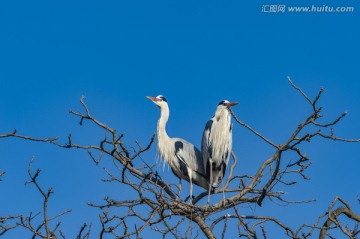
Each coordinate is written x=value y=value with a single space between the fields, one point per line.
x=199 y=162
x=190 y=155
x=182 y=168
x=205 y=145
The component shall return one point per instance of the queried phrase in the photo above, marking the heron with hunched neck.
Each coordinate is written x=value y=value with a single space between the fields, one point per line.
x=216 y=145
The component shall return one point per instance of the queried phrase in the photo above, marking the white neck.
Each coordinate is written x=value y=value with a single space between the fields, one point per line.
x=164 y=148
x=223 y=114
x=161 y=126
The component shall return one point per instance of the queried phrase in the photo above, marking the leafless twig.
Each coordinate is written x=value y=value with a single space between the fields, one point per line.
x=159 y=205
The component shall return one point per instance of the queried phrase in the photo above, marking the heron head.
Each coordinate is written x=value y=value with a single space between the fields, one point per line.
x=225 y=104
x=158 y=100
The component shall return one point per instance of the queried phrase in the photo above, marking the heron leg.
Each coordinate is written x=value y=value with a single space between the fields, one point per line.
x=222 y=184
x=191 y=188
x=210 y=183
x=180 y=185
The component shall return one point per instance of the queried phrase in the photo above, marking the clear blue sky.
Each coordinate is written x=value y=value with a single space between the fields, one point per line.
x=196 y=54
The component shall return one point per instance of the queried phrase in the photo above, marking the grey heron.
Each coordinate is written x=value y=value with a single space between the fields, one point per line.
x=183 y=157
x=216 y=145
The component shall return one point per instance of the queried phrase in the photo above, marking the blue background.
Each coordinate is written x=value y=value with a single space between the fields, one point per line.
x=195 y=54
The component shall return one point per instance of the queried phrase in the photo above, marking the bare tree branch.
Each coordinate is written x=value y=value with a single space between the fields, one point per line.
x=333 y=217
x=7 y=223
x=161 y=207
x=45 y=228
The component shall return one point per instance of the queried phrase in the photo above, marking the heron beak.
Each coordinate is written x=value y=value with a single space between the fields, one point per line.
x=153 y=99
x=231 y=104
